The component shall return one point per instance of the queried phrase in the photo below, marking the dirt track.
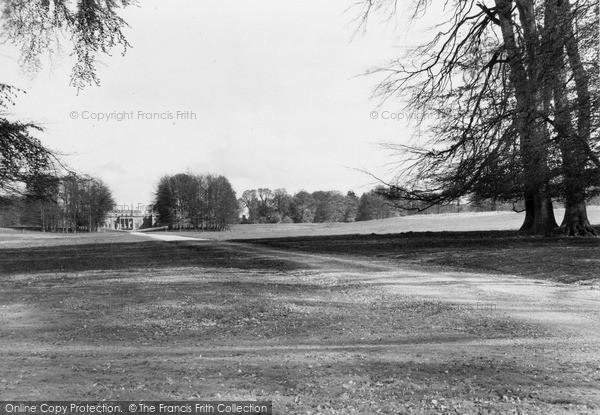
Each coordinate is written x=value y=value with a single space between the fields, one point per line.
x=314 y=332
x=565 y=308
x=564 y=319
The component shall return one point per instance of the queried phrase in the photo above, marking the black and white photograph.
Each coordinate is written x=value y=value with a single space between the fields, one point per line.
x=299 y=207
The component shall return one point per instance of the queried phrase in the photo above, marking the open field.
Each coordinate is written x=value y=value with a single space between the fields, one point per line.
x=363 y=324
x=452 y=222
x=486 y=241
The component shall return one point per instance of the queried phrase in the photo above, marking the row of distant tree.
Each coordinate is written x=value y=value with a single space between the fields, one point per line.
x=75 y=203
x=206 y=202
x=278 y=206
x=71 y=203
x=274 y=206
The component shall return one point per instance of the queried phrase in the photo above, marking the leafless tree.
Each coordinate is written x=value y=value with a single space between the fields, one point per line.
x=483 y=87
x=91 y=27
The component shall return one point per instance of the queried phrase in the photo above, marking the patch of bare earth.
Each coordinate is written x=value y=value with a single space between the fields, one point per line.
x=316 y=332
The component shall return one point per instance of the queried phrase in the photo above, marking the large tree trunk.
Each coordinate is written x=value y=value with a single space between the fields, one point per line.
x=575 y=222
x=529 y=214
x=524 y=70
x=572 y=142
x=539 y=215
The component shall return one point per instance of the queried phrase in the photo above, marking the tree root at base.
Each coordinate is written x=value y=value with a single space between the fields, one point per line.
x=578 y=229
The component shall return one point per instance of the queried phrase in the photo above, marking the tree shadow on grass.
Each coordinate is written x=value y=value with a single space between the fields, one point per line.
x=120 y=256
x=563 y=259
x=407 y=240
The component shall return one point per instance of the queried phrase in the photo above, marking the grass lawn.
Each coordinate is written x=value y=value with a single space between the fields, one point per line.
x=486 y=241
x=452 y=222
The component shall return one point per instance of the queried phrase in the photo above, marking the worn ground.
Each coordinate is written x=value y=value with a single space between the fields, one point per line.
x=468 y=323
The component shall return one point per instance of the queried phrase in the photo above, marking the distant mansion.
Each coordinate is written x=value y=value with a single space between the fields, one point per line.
x=130 y=218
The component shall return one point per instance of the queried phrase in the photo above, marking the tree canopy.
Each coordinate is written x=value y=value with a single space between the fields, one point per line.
x=190 y=201
x=513 y=85
x=38 y=27
x=89 y=27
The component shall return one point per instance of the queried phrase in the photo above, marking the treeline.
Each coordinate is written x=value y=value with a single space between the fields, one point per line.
x=72 y=203
x=278 y=206
x=199 y=202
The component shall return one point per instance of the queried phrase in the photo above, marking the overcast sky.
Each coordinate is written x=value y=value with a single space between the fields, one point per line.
x=272 y=91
